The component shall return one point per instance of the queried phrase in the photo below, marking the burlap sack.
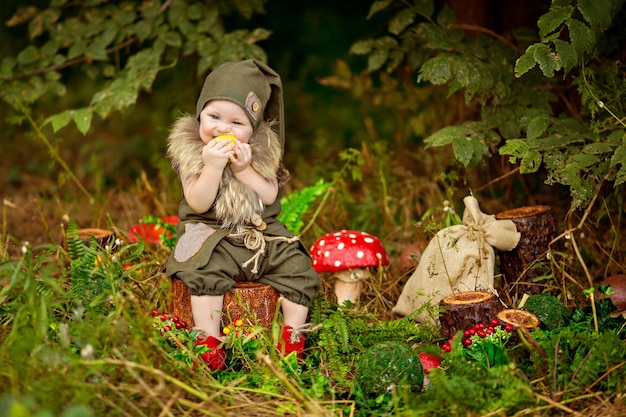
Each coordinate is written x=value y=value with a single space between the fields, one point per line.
x=458 y=258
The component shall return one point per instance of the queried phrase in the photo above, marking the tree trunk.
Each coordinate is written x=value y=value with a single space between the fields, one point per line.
x=521 y=266
x=464 y=309
x=252 y=302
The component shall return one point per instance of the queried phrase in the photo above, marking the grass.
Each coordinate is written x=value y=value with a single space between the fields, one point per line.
x=77 y=337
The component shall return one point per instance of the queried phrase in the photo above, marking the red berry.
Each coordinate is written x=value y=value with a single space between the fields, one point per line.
x=489 y=330
x=446 y=347
x=178 y=325
x=509 y=328
x=155 y=312
x=477 y=326
x=167 y=327
x=183 y=324
x=467 y=333
x=467 y=342
x=175 y=319
x=472 y=332
x=495 y=322
x=481 y=333
x=163 y=317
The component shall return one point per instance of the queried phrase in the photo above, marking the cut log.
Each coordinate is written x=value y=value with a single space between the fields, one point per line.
x=521 y=266
x=464 y=309
x=253 y=302
x=519 y=318
x=525 y=320
x=104 y=237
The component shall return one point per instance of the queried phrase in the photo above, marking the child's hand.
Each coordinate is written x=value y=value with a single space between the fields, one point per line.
x=216 y=153
x=241 y=158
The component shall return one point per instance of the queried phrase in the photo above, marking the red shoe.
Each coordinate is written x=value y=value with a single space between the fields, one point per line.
x=291 y=344
x=215 y=358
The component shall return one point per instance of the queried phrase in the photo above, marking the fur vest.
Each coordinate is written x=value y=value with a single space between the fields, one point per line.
x=236 y=203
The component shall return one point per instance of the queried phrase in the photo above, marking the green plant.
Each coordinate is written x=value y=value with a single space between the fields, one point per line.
x=549 y=310
x=578 y=147
x=114 y=52
x=298 y=202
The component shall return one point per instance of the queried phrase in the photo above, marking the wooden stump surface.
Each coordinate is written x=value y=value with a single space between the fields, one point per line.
x=252 y=302
x=519 y=267
x=104 y=237
x=464 y=309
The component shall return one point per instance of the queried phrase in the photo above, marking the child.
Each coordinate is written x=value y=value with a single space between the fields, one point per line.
x=228 y=230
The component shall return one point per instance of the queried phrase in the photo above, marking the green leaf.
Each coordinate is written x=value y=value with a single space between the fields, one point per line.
x=377 y=6
x=143 y=29
x=530 y=162
x=620 y=177
x=82 y=118
x=463 y=150
x=445 y=136
x=582 y=37
x=547 y=60
x=77 y=49
x=377 y=59
x=552 y=20
x=527 y=61
x=28 y=55
x=362 y=47
x=596 y=12
x=516 y=148
x=173 y=39
x=437 y=70
x=401 y=21
x=60 y=120
x=598 y=148
x=566 y=54
x=583 y=161
x=537 y=126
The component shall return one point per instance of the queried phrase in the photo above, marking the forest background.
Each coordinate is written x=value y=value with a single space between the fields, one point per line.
x=354 y=81
x=337 y=101
x=403 y=108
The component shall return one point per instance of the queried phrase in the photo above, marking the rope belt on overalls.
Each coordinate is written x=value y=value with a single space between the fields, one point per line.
x=255 y=240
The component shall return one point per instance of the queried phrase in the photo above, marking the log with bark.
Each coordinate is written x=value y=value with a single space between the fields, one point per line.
x=104 y=237
x=521 y=266
x=460 y=311
x=519 y=319
x=252 y=302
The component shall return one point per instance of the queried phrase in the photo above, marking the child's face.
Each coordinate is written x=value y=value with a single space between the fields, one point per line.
x=221 y=117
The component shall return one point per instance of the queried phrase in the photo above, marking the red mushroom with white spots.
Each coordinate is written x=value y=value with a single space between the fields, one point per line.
x=347 y=255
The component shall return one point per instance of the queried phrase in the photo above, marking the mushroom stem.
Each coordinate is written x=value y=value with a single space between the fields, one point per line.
x=348 y=285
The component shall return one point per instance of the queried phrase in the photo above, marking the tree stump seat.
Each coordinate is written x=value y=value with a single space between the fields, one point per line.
x=253 y=302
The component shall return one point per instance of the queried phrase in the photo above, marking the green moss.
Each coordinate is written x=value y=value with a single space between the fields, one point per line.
x=387 y=365
x=549 y=310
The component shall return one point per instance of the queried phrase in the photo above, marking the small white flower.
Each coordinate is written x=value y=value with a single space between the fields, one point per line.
x=25 y=246
x=119 y=242
x=87 y=351
x=600 y=104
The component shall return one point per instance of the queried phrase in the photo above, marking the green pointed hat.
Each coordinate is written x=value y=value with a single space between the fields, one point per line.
x=253 y=85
